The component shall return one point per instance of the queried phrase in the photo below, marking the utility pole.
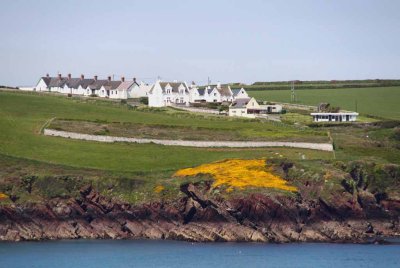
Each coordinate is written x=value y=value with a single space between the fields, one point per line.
x=356 y=105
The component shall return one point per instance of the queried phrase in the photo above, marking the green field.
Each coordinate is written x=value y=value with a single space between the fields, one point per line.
x=23 y=114
x=59 y=167
x=376 y=101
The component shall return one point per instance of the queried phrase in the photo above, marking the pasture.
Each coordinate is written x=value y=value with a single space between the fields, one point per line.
x=22 y=116
x=377 y=101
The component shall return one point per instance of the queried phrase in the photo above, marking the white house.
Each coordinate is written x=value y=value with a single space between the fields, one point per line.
x=123 y=91
x=239 y=93
x=198 y=95
x=168 y=93
x=139 y=90
x=335 y=117
x=109 y=89
x=43 y=84
x=249 y=107
x=219 y=93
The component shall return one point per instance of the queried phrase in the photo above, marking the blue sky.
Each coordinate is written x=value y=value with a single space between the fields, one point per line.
x=235 y=41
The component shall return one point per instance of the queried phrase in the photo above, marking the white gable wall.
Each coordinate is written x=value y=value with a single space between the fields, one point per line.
x=41 y=86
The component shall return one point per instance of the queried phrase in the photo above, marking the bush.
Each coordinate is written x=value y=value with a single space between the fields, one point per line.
x=396 y=134
x=144 y=100
x=69 y=95
x=124 y=102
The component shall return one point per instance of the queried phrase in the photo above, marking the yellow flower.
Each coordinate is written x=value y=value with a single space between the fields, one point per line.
x=3 y=196
x=239 y=173
x=159 y=188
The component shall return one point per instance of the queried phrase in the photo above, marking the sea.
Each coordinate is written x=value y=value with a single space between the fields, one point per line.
x=144 y=253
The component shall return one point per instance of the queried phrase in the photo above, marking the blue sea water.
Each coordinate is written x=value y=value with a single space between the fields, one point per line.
x=109 y=253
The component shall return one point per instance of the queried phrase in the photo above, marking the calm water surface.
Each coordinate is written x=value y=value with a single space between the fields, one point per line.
x=108 y=253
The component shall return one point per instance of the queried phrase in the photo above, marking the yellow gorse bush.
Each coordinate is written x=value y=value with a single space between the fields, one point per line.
x=239 y=173
x=159 y=188
x=3 y=196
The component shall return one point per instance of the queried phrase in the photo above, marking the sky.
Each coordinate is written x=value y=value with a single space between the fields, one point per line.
x=227 y=41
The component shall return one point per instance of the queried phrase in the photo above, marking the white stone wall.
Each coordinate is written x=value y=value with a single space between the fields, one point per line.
x=233 y=144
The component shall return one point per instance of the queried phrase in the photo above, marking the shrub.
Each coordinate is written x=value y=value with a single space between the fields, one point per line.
x=396 y=134
x=144 y=100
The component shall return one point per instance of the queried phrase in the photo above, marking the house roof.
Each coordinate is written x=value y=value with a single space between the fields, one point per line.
x=46 y=80
x=174 y=85
x=240 y=103
x=57 y=82
x=84 y=83
x=111 y=85
x=209 y=90
x=73 y=82
x=236 y=91
x=340 y=113
x=224 y=90
x=97 y=84
x=201 y=91
x=126 y=85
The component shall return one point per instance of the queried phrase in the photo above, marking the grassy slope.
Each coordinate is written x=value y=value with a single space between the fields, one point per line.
x=382 y=101
x=23 y=114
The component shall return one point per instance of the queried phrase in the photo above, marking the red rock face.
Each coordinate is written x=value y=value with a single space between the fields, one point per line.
x=196 y=217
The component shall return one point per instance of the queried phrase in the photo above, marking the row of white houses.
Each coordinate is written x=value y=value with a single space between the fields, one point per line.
x=179 y=93
x=175 y=93
x=93 y=87
x=159 y=94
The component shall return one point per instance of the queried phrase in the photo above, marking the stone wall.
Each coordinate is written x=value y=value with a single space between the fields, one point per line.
x=233 y=144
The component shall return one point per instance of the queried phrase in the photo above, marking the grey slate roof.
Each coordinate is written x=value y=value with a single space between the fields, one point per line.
x=201 y=91
x=86 y=82
x=175 y=86
x=57 y=82
x=112 y=84
x=97 y=84
x=240 y=103
x=73 y=82
x=236 y=91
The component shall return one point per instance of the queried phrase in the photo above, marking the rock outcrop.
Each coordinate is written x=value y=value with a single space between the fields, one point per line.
x=197 y=217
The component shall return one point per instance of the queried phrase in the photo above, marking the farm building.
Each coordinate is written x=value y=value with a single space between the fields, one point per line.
x=334 y=117
x=249 y=107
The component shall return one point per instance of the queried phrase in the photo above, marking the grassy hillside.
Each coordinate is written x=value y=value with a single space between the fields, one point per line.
x=378 y=101
x=33 y=166
x=23 y=114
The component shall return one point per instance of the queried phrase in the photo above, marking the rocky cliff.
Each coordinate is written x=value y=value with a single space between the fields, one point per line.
x=198 y=217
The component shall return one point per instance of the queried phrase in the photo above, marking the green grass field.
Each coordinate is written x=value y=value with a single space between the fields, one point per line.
x=377 y=101
x=23 y=114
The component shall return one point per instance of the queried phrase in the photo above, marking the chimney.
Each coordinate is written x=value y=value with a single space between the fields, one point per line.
x=95 y=78
x=122 y=79
x=82 y=77
x=134 y=80
x=47 y=75
x=69 y=76
x=219 y=84
x=109 y=78
x=59 y=76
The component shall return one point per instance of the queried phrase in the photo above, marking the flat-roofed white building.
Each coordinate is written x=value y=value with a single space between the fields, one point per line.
x=335 y=117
